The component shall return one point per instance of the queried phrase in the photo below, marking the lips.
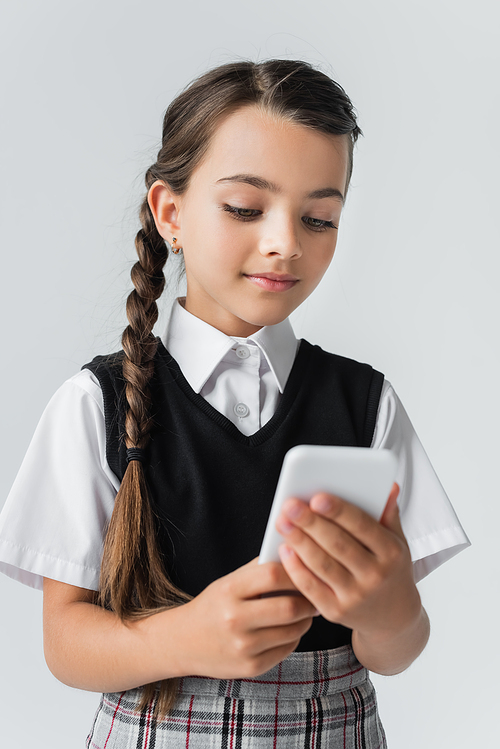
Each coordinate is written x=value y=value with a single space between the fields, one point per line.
x=273 y=281
x=275 y=276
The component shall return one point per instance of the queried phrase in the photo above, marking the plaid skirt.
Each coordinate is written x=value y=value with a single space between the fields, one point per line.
x=316 y=700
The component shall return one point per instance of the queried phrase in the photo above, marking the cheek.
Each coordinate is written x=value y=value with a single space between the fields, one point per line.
x=229 y=248
x=215 y=233
x=232 y=232
x=322 y=260
x=214 y=262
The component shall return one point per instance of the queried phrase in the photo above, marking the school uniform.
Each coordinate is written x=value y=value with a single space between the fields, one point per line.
x=237 y=396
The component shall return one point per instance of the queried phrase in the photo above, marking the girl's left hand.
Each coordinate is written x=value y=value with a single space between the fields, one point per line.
x=355 y=570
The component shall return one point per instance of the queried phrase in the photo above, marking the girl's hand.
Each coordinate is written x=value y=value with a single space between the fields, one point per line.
x=355 y=570
x=232 y=633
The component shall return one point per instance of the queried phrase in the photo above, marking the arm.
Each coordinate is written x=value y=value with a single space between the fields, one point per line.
x=393 y=649
x=90 y=648
x=225 y=632
x=357 y=572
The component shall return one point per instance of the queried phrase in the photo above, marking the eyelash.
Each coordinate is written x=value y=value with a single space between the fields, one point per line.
x=233 y=210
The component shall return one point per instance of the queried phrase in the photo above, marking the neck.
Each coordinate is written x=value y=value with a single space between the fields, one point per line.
x=226 y=323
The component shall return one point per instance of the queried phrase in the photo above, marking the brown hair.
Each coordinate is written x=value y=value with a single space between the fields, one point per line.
x=133 y=580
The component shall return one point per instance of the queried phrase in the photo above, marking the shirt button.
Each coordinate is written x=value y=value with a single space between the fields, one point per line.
x=241 y=410
x=242 y=352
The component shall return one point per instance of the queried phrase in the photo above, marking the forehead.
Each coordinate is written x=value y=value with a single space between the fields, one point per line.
x=252 y=141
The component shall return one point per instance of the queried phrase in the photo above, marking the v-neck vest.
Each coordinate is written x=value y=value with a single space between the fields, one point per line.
x=211 y=486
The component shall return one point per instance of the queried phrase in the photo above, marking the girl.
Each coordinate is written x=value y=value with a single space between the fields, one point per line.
x=142 y=502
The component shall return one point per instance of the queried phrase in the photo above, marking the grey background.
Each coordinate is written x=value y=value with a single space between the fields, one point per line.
x=412 y=289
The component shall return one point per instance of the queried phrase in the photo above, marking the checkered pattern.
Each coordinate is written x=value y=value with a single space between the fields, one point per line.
x=317 y=700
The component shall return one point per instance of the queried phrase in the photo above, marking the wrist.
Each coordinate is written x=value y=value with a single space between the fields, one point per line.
x=165 y=635
x=391 y=650
x=390 y=628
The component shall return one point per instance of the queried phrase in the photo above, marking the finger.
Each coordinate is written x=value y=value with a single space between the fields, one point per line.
x=327 y=542
x=253 y=580
x=277 y=611
x=339 y=563
x=358 y=523
x=390 y=517
x=274 y=637
x=270 y=592
x=321 y=595
x=269 y=658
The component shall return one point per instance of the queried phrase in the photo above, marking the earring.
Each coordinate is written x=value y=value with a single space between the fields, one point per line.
x=175 y=250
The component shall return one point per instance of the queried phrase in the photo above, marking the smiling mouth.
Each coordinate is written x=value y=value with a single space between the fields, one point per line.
x=273 y=281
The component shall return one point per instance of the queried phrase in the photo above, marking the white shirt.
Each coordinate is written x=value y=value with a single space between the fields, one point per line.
x=230 y=372
x=54 y=520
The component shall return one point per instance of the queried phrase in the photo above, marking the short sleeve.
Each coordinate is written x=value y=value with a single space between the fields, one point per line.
x=55 y=517
x=430 y=524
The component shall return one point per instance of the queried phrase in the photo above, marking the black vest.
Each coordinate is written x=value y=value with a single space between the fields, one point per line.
x=212 y=487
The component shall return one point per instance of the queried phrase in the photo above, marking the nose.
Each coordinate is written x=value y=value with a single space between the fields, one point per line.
x=281 y=238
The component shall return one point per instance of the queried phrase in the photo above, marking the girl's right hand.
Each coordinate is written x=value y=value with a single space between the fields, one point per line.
x=233 y=633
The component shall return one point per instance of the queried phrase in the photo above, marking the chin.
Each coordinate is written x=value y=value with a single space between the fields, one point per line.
x=262 y=320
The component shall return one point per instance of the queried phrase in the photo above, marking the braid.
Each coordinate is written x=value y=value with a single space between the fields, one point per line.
x=133 y=582
x=138 y=341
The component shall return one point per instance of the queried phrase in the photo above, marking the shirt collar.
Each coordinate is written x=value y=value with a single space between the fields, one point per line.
x=198 y=347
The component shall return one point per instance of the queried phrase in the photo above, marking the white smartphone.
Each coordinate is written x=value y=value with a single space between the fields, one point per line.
x=357 y=474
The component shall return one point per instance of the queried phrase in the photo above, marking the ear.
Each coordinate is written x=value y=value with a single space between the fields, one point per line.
x=164 y=205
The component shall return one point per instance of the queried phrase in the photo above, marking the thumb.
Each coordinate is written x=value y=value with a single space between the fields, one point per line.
x=390 y=516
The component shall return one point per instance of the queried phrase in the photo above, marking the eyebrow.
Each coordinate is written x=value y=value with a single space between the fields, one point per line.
x=264 y=184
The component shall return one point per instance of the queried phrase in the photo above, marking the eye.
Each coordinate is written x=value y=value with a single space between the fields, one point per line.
x=317 y=224
x=241 y=214
x=247 y=214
